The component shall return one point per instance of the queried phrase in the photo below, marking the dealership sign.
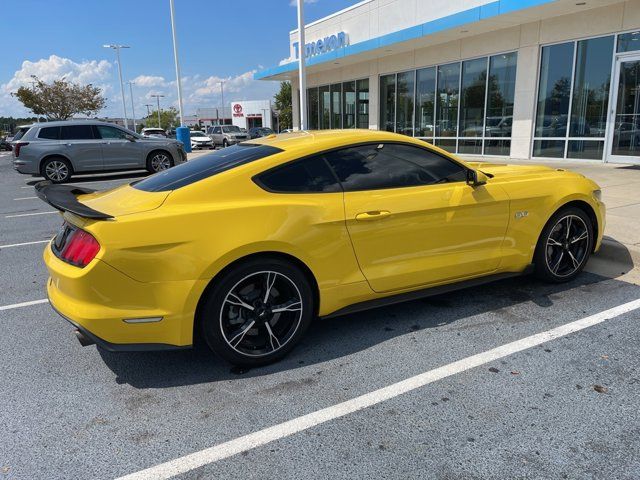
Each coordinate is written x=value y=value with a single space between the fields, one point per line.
x=323 y=45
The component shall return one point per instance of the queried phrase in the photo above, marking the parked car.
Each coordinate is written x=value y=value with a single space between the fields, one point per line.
x=200 y=140
x=257 y=132
x=154 y=133
x=5 y=145
x=225 y=135
x=246 y=246
x=58 y=150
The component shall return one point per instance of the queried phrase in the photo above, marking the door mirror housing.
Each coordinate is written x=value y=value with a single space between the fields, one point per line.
x=130 y=137
x=475 y=178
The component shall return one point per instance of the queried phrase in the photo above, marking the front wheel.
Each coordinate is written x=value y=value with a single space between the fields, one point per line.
x=159 y=161
x=564 y=246
x=257 y=312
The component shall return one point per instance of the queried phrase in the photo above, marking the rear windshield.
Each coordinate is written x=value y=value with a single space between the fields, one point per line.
x=204 y=167
x=20 y=133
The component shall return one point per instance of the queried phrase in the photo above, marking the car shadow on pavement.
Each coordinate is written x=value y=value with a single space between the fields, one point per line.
x=115 y=176
x=329 y=339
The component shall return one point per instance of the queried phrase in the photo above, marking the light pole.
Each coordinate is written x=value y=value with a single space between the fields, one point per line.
x=175 y=56
x=158 y=96
x=302 y=73
x=133 y=111
x=222 y=98
x=124 y=105
x=148 y=111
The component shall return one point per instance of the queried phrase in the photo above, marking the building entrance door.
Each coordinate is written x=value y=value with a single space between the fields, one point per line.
x=623 y=144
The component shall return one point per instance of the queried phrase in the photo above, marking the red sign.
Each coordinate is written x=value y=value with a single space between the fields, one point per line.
x=237 y=110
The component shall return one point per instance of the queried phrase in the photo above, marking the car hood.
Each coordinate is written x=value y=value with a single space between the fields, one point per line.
x=123 y=200
x=201 y=139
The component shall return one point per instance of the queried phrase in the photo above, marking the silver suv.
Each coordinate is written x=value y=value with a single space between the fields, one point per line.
x=226 y=135
x=57 y=150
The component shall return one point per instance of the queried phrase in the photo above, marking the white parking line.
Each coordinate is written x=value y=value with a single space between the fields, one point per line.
x=23 y=244
x=23 y=304
x=25 y=198
x=30 y=214
x=253 y=440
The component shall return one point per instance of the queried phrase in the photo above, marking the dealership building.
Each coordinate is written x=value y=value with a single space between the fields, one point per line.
x=523 y=79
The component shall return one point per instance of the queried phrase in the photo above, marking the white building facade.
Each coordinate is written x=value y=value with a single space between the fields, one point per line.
x=252 y=113
x=523 y=79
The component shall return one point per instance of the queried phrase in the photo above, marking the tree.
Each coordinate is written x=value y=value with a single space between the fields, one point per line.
x=61 y=100
x=168 y=119
x=283 y=105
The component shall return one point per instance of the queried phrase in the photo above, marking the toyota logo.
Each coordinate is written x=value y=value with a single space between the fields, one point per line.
x=237 y=108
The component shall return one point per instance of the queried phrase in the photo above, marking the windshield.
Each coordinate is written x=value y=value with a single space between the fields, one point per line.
x=154 y=131
x=231 y=129
x=197 y=134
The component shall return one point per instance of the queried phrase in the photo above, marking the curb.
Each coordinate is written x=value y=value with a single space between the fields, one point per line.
x=616 y=251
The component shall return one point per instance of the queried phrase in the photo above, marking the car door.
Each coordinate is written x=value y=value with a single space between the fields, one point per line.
x=412 y=218
x=216 y=136
x=79 y=144
x=118 y=150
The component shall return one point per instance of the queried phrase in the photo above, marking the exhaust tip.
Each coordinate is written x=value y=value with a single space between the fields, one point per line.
x=83 y=339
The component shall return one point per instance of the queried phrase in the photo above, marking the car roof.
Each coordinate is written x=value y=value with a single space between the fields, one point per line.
x=60 y=123
x=319 y=140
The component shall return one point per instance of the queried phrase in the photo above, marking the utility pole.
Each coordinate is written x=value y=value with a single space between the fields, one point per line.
x=175 y=57
x=148 y=111
x=158 y=96
x=133 y=111
x=222 y=98
x=124 y=105
x=302 y=73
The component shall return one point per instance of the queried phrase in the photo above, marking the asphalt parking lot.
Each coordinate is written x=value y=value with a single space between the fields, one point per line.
x=455 y=386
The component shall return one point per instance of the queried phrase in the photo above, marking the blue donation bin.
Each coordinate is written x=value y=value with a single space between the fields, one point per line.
x=182 y=135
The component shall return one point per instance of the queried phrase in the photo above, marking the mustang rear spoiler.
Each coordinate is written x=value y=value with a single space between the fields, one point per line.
x=63 y=197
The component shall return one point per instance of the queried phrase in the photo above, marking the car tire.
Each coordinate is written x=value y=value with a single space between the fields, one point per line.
x=56 y=169
x=241 y=327
x=564 y=246
x=159 y=160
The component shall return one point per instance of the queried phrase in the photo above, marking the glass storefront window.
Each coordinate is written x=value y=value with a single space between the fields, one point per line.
x=447 y=100
x=325 y=107
x=554 y=90
x=628 y=42
x=497 y=147
x=336 y=103
x=586 y=149
x=448 y=144
x=548 y=148
x=313 y=107
x=362 y=93
x=405 y=108
x=591 y=88
x=501 y=86
x=388 y=103
x=349 y=104
x=472 y=99
x=425 y=97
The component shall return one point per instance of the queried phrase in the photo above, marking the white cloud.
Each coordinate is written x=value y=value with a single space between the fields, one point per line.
x=96 y=72
x=150 y=81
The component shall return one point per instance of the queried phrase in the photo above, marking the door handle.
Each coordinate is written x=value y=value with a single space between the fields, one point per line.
x=373 y=215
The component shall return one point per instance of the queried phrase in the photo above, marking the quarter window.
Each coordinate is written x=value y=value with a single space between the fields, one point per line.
x=76 y=132
x=50 y=133
x=379 y=166
x=308 y=175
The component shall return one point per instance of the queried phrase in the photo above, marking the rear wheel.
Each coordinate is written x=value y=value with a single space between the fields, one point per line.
x=159 y=161
x=564 y=245
x=56 y=169
x=257 y=312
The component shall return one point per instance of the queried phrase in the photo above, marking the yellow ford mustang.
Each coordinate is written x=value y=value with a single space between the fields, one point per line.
x=246 y=245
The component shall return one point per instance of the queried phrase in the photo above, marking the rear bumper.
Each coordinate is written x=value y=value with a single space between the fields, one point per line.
x=117 y=312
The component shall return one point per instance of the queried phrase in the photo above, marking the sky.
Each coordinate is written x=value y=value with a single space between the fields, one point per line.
x=217 y=40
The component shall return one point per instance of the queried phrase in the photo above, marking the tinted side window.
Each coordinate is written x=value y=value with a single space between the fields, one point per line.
x=76 y=132
x=368 y=167
x=111 y=132
x=50 y=133
x=440 y=169
x=308 y=175
x=217 y=130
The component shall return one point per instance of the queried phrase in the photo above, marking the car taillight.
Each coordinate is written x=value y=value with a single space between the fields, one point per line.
x=81 y=248
x=18 y=146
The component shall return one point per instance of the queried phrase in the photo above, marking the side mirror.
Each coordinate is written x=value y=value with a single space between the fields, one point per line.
x=476 y=178
x=131 y=138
